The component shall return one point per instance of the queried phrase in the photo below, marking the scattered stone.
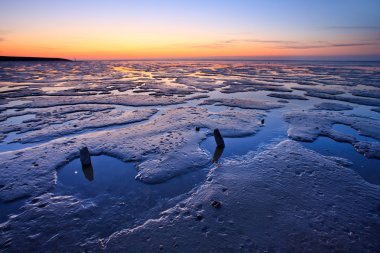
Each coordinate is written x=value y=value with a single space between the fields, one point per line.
x=197 y=129
x=216 y=204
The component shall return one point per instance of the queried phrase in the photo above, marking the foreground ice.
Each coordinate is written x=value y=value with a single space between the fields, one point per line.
x=170 y=140
x=182 y=194
x=307 y=126
x=287 y=198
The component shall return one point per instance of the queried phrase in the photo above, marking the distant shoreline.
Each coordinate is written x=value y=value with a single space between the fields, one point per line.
x=49 y=59
x=17 y=58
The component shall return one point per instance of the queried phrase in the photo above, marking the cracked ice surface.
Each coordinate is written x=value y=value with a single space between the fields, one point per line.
x=287 y=198
x=169 y=138
x=307 y=126
x=154 y=117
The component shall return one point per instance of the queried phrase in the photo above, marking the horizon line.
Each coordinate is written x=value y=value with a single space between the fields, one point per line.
x=348 y=58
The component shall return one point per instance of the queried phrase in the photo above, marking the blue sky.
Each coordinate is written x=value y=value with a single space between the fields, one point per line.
x=118 y=29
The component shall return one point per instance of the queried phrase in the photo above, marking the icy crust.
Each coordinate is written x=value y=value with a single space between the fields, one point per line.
x=243 y=103
x=48 y=224
x=159 y=88
x=64 y=120
x=187 y=158
x=332 y=106
x=367 y=93
x=286 y=199
x=244 y=85
x=54 y=111
x=170 y=137
x=287 y=96
x=206 y=84
x=308 y=125
x=320 y=90
x=354 y=100
x=128 y=100
x=34 y=90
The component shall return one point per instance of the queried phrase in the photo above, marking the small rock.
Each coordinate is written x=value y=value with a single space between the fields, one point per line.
x=199 y=217
x=216 y=204
x=197 y=129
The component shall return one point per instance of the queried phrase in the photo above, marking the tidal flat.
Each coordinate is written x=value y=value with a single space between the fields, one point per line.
x=300 y=170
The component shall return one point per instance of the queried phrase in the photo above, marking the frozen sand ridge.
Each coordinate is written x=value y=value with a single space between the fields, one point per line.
x=287 y=198
x=243 y=103
x=167 y=146
x=64 y=120
x=307 y=126
x=130 y=100
x=332 y=106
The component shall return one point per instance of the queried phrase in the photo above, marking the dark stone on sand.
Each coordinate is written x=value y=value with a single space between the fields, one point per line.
x=262 y=121
x=199 y=217
x=216 y=204
x=85 y=156
x=218 y=138
x=197 y=129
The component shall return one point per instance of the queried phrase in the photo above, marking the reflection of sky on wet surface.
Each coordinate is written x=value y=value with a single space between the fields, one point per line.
x=114 y=184
x=111 y=184
x=366 y=168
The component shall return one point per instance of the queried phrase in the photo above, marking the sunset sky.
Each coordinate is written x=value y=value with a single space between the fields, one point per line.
x=117 y=29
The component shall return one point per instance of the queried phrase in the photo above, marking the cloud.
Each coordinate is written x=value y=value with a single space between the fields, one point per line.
x=322 y=44
x=224 y=43
x=354 y=28
x=2 y=33
x=282 y=44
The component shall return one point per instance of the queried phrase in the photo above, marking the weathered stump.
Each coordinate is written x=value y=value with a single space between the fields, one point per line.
x=85 y=156
x=218 y=138
x=217 y=154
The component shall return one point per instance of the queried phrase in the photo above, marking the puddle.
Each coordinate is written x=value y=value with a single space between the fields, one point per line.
x=369 y=169
x=120 y=200
x=350 y=131
x=273 y=131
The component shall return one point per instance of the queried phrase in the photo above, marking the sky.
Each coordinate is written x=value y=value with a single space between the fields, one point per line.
x=150 y=29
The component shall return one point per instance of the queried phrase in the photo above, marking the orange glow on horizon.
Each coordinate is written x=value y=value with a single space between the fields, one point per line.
x=88 y=50
x=117 y=29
